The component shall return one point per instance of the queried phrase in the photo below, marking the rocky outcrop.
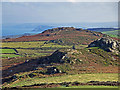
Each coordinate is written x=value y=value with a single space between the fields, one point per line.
x=61 y=56
x=107 y=44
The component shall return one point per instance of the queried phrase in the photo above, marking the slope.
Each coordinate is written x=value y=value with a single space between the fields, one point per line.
x=63 y=35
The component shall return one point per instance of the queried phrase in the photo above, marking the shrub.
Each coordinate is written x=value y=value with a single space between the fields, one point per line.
x=32 y=75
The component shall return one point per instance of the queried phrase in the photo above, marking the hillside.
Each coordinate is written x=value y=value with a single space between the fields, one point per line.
x=62 y=35
x=88 y=62
x=92 y=60
x=60 y=56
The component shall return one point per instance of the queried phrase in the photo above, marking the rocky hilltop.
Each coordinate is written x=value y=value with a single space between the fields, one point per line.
x=106 y=43
x=62 y=35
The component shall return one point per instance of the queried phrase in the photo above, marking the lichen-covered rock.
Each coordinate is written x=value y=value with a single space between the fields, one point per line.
x=107 y=44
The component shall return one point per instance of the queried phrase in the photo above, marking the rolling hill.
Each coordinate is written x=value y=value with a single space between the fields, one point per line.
x=62 y=35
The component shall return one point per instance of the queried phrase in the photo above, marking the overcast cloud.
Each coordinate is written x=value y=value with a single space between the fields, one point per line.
x=59 y=12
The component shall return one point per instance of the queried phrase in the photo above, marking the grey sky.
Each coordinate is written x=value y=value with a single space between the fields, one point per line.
x=60 y=0
x=60 y=12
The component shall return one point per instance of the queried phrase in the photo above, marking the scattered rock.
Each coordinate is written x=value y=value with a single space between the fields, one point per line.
x=53 y=70
x=26 y=61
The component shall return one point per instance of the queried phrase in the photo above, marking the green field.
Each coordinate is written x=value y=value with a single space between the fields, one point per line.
x=56 y=45
x=36 y=44
x=83 y=78
x=87 y=86
x=31 y=52
x=8 y=51
x=9 y=55
x=114 y=33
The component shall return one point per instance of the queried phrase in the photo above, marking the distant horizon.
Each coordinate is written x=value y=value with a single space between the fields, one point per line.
x=60 y=23
x=21 y=28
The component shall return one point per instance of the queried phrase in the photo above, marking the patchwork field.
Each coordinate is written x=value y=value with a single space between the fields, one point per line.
x=31 y=49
